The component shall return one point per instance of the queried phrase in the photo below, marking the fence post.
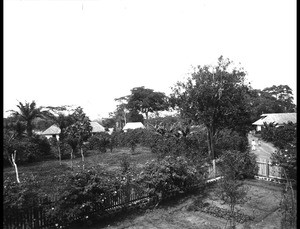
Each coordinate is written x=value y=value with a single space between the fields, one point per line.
x=267 y=168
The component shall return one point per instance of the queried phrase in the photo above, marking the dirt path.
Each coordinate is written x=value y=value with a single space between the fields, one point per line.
x=263 y=151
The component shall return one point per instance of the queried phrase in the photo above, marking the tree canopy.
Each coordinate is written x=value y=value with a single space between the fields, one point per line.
x=215 y=98
x=146 y=100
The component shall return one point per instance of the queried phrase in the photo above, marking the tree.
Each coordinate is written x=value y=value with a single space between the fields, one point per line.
x=283 y=95
x=146 y=100
x=215 y=98
x=120 y=114
x=27 y=113
x=231 y=188
x=275 y=99
x=78 y=133
x=10 y=148
x=56 y=116
x=134 y=116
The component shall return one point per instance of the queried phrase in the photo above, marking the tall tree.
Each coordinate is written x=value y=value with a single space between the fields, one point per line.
x=146 y=100
x=134 y=116
x=275 y=99
x=27 y=113
x=215 y=98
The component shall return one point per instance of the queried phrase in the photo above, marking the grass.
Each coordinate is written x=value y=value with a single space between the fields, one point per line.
x=49 y=174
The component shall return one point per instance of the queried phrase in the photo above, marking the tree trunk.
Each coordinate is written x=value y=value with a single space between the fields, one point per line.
x=211 y=150
x=72 y=159
x=82 y=157
x=59 y=153
x=146 y=113
x=13 y=159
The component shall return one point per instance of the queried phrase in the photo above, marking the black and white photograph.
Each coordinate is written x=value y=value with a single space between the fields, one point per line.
x=149 y=114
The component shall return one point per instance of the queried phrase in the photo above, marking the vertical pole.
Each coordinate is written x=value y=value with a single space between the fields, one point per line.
x=267 y=168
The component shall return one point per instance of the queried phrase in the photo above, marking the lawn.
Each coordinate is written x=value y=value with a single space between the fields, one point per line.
x=263 y=205
x=49 y=173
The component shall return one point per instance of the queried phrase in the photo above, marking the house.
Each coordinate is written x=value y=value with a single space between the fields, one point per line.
x=133 y=125
x=52 y=131
x=97 y=128
x=276 y=118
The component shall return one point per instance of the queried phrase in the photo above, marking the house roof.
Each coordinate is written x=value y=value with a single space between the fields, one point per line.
x=277 y=118
x=133 y=125
x=97 y=127
x=52 y=130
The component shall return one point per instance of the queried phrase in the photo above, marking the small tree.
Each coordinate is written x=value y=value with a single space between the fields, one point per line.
x=231 y=188
x=78 y=133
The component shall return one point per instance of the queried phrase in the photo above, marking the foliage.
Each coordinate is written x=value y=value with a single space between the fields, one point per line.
x=100 y=141
x=285 y=139
x=174 y=174
x=27 y=113
x=29 y=149
x=227 y=139
x=20 y=195
x=109 y=123
x=280 y=136
x=178 y=139
x=238 y=165
x=217 y=99
x=288 y=206
x=235 y=166
x=134 y=116
x=84 y=192
x=146 y=100
x=275 y=99
x=287 y=159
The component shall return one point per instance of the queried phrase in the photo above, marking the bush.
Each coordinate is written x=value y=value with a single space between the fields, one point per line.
x=84 y=193
x=238 y=165
x=100 y=141
x=175 y=174
x=20 y=195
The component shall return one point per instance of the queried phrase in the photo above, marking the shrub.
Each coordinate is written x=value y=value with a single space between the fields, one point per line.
x=100 y=141
x=175 y=174
x=20 y=195
x=238 y=165
x=84 y=193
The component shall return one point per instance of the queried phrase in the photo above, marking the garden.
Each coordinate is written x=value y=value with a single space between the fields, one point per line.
x=187 y=171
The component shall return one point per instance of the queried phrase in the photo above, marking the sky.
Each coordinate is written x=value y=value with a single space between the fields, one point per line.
x=89 y=52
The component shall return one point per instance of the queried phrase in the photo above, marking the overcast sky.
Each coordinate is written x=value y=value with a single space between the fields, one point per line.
x=89 y=52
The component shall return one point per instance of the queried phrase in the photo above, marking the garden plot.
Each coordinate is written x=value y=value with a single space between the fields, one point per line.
x=262 y=206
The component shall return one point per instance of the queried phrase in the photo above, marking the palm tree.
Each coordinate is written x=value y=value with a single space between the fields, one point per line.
x=27 y=113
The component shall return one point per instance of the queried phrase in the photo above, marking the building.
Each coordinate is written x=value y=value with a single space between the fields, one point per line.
x=97 y=128
x=276 y=118
x=133 y=125
x=52 y=131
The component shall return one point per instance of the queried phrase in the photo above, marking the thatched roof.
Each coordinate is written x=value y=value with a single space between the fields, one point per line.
x=52 y=130
x=133 y=125
x=277 y=118
x=97 y=127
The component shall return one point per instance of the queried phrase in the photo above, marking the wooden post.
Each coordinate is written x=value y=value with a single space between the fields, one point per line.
x=267 y=168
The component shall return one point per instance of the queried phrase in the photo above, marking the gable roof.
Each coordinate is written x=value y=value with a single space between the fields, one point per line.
x=52 y=130
x=277 y=118
x=133 y=125
x=97 y=127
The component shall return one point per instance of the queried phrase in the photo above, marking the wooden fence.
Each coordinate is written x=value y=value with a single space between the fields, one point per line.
x=266 y=170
